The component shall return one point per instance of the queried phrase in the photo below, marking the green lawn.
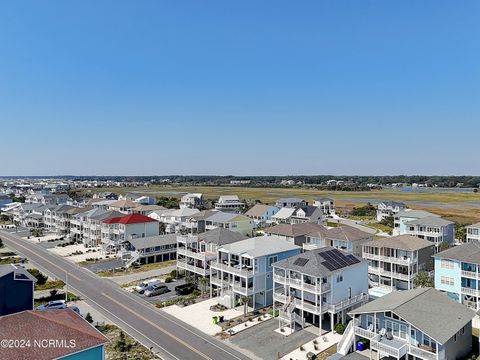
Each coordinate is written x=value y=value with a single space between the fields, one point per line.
x=380 y=227
x=55 y=284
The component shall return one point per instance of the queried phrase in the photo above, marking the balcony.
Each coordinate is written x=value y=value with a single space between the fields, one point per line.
x=370 y=256
x=230 y=269
x=195 y=255
x=421 y=353
x=280 y=297
x=470 y=291
x=195 y=269
x=281 y=279
x=470 y=274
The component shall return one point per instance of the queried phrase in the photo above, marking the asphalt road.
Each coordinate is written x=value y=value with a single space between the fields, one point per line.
x=169 y=337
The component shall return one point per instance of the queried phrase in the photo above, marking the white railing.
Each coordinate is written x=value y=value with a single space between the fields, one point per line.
x=389 y=350
x=231 y=269
x=367 y=334
x=357 y=299
x=369 y=256
x=469 y=291
x=423 y=354
x=192 y=254
x=279 y=279
x=279 y=297
x=192 y=268
x=469 y=274
x=347 y=339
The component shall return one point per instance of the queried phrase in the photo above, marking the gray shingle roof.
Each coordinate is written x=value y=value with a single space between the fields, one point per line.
x=469 y=252
x=152 y=241
x=430 y=310
x=347 y=233
x=313 y=264
x=401 y=242
x=221 y=236
x=414 y=213
x=430 y=221
x=297 y=229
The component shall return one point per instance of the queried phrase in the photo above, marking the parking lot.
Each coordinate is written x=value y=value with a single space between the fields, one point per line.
x=163 y=297
x=262 y=342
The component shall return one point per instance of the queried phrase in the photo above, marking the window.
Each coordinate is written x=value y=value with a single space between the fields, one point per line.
x=339 y=278
x=455 y=338
x=446 y=264
x=272 y=259
x=445 y=280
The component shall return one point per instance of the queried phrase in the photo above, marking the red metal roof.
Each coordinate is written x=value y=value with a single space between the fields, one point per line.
x=130 y=219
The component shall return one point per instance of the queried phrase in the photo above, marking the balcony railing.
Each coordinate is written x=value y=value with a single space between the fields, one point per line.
x=470 y=274
x=231 y=269
x=389 y=350
x=192 y=268
x=423 y=354
x=470 y=291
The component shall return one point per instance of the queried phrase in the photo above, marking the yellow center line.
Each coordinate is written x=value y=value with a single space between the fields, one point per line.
x=126 y=308
x=157 y=327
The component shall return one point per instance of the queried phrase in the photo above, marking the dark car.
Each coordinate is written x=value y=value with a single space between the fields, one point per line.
x=184 y=289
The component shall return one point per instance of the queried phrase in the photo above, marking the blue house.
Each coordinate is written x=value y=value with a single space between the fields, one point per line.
x=421 y=323
x=244 y=268
x=457 y=272
x=16 y=289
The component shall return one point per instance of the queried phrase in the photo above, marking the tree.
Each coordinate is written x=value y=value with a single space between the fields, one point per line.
x=388 y=221
x=41 y=278
x=367 y=210
x=121 y=344
x=53 y=293
x=245 y=300
x=89 y=318
x=443 y=246
x=460 y=232
x=1 y=243
x=423 y=279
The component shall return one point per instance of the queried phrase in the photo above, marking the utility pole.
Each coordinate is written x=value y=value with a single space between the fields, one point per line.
x=66 y=286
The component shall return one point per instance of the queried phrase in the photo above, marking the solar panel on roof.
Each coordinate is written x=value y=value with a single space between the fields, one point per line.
x=329 y=266
x=300 y=261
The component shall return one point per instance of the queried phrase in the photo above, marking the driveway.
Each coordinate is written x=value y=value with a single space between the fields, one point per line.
x=262 y=342
x=163 y=297
x=126 y=279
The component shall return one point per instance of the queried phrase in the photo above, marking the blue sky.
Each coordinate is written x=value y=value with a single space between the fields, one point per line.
x=245 y=87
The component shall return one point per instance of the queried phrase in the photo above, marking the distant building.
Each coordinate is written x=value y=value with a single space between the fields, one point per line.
x=192 y=200
x=473 y=232
x=326 y=205
x=387 y=209
x=404 y=216
x=229 y=203
x=262 y=214
x=16 y=290
x=150 y=249
x=290 y=202
x=432 y=228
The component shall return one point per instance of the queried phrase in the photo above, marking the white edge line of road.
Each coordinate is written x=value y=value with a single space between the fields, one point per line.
x=109 y=312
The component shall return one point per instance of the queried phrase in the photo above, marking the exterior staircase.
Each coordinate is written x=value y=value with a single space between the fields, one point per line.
x=346 y=342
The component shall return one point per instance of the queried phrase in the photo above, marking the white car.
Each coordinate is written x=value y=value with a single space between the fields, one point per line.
x=140 y=288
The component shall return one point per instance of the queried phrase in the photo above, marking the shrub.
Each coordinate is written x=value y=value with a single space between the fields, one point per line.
x=340 y=328
x=168 y=279
x=173 y=273
x=89 y=318
x=41 y=278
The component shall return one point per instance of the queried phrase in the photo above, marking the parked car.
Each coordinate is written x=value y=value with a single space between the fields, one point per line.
x=156 y=289
x=140 y=288
x=184 y=289
x=56 y=304
x=74 y=308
